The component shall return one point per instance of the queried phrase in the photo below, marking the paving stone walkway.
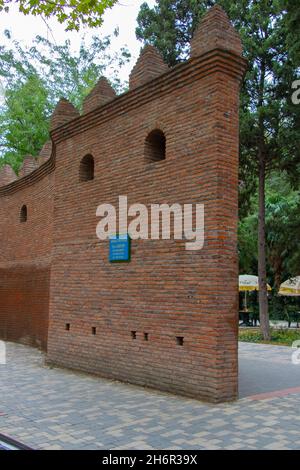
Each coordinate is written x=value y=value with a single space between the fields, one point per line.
x=265 y=368
x=58 y=409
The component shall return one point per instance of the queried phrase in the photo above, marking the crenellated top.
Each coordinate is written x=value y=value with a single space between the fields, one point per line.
x=7 y=175
x=149 y=65
x=216 y=46
x=30 y=164
x=45 y=153
x=100 y=94
x=215 y=31
x=63 y=113
x=31 y=167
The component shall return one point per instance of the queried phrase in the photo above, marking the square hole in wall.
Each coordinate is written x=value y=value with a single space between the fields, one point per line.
x=133 y=334
x=179 y=340
x=67 y=326
x=94 y=330
x=146 y=336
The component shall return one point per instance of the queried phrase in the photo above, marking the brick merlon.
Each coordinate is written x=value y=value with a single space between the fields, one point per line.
x=215 y=31
x=63 y=113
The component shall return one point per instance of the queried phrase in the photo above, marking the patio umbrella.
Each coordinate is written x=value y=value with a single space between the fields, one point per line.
x=291 y=287
x=247 y=283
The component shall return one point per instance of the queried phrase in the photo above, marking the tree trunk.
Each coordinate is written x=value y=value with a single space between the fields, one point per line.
x=262 y=271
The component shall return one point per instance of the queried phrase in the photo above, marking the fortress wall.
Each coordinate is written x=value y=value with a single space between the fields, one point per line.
x=165 y=290
x=25 y=259
x=168 y=318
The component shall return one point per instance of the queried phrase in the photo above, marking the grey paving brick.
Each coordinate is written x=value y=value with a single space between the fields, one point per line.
x=77 y=411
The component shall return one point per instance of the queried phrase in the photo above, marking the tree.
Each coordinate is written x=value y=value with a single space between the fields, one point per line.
x=282 y=230
x=37 y=77
x=292 y=29
x=282 y=238
x=24 y=122
x=169 y=26
x=270 y=129
x=72 y=13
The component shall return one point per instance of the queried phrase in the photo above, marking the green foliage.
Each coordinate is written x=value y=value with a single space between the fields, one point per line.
x=281 y=336
x=37 y=77
x=282 y=231
x=72 y=13
x=247 y=246
x=169 y=26
x=269 y=121
x=284 y=308
x=66 y=73
x=24 y=122
x=292 y=29
x=266 y=94
x=282 y=228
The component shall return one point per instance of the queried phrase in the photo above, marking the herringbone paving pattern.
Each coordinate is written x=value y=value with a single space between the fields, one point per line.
x=59 y=409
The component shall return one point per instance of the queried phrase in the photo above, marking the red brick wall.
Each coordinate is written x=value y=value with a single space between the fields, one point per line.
x=25 y=257
x=165 y=291
x=24 y=294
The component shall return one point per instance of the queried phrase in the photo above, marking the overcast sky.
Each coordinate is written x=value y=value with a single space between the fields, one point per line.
x=122 y=15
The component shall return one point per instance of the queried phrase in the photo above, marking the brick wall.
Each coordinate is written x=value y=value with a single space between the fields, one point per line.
x=25 y=257
x=24 y=294
x=168 y=318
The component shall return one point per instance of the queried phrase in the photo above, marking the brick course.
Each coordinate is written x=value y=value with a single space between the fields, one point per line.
x=165 y=292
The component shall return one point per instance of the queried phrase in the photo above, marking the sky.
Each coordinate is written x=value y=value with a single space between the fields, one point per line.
x=123 y=15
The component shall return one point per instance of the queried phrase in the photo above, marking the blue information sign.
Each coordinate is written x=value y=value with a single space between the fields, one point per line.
x=119 y=248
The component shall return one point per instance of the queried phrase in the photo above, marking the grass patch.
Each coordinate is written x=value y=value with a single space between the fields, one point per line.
x=278 y=336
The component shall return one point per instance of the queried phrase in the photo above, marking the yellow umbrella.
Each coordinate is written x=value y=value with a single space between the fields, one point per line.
x=247 y=283
x=291 y=287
